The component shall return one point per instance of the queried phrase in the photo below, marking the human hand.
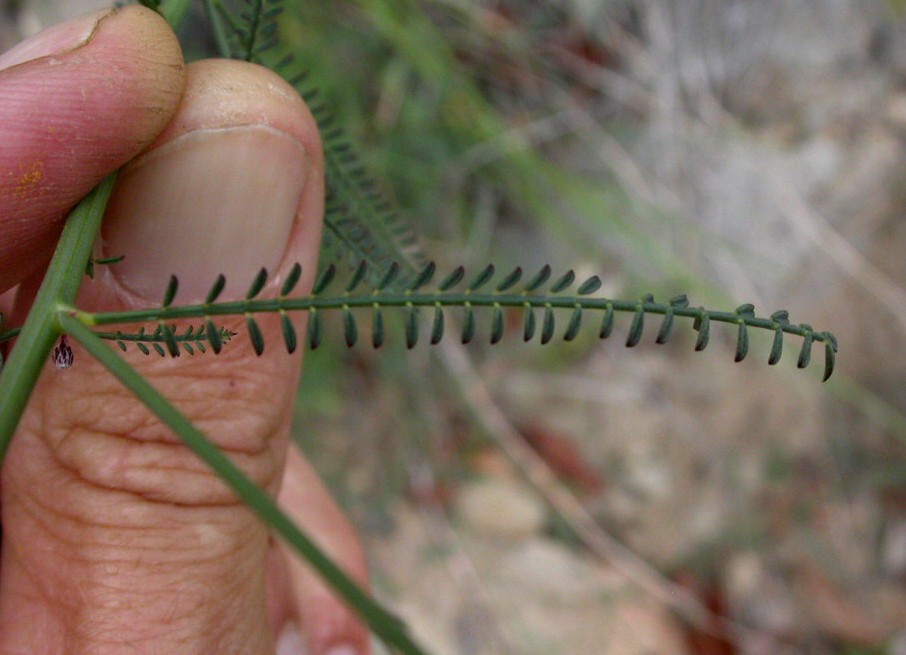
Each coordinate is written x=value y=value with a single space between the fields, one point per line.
x=115 y=537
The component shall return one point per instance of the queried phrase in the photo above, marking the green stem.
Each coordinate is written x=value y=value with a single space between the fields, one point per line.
x=41 y=329
x=384 y=624
x=445 y=299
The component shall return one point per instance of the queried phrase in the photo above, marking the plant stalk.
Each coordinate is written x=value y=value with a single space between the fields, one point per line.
x=41 y=329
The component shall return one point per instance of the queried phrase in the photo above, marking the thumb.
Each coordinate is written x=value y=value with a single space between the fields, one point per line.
x=112 y=529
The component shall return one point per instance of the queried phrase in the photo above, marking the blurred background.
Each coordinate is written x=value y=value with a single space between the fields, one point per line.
x=734 y=150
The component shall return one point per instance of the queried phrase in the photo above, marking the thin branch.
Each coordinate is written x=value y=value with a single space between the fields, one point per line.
x=411 y=298
x=890 y=295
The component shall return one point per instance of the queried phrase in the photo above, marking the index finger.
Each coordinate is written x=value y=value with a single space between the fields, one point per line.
x=77 y=101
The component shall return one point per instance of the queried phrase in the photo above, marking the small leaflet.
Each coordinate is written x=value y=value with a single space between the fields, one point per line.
x=575 y=322
x=289 y=333
x=437 y=326
x=663 y=334
x=497 y=324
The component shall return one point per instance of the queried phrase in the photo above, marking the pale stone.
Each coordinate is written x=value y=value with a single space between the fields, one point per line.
x=898 y=643
x=893 y=553
x=500 y=508
x=549 y=569
x=896 y=110
x=757 y=596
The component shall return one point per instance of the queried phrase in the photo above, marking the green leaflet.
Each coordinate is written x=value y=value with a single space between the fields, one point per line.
x=575 y=322
x=257 y=284
x=510 y=280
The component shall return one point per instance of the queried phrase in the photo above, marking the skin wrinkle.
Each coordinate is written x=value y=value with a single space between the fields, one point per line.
x=89 y=513
x=102 y=551
x=56 y=605
x=173 y=585
x=99 y=631
x=171 y=580
x=61 y=144
x=100 y=81
x=58 y=525
x=108 y=406
x=154 y=482
x=174 y=558
x=114 y=636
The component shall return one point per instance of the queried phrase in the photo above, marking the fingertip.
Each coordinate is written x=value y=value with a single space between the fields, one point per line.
x=329 y=625
x=116 y=73
x=225 y=93
x=290 y=642
x=77 y=101
x=302 y=609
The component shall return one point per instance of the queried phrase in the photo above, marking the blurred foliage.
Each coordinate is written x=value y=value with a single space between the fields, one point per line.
x=491 y=147
x=462 y=112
